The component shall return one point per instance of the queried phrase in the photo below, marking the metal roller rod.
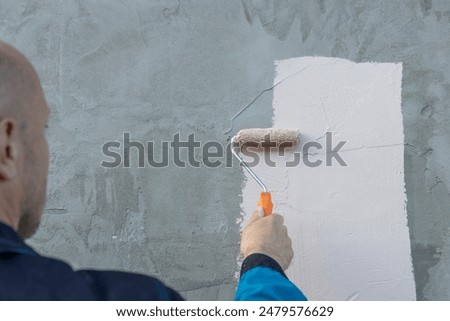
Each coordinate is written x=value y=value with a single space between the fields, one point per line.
x=244 y=164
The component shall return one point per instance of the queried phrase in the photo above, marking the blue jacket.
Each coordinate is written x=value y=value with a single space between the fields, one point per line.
x=25 y=275
x=263 y=279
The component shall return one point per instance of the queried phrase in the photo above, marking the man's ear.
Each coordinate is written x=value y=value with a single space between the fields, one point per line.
x=8 y=149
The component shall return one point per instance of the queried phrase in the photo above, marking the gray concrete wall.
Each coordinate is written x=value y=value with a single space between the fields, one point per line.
x=155 y=68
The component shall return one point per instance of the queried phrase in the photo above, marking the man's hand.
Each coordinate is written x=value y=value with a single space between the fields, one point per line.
x=267 y=235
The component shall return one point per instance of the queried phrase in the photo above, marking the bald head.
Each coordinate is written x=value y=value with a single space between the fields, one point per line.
x=23 y=146
x=20 y=88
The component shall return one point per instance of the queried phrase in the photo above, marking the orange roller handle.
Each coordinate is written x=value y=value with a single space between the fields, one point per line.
x=265 y=201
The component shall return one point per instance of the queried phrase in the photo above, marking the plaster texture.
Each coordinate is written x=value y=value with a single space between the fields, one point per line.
x=155 y=68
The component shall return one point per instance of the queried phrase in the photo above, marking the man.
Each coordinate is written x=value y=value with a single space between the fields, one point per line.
x=24 y=160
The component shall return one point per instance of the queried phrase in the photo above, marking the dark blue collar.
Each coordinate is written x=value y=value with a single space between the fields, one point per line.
x=11 y=242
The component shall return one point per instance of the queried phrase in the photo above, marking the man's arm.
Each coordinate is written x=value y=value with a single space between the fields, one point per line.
x=267 y=250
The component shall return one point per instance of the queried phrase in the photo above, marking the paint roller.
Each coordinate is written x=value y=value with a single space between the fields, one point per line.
x=277 y=137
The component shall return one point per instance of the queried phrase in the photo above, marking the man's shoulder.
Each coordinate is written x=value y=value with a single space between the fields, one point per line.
x=35 y=277
x=117 y=285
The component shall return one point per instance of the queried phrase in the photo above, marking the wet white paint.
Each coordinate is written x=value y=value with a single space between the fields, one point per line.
x=348 y=223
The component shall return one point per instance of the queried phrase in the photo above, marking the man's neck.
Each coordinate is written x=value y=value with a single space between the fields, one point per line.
x=9 y=208
x=9 y=220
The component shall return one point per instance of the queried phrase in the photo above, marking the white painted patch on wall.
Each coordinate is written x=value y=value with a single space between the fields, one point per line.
x=348 y=223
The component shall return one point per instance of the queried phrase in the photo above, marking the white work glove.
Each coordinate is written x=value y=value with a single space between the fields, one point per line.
x=267 y=235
